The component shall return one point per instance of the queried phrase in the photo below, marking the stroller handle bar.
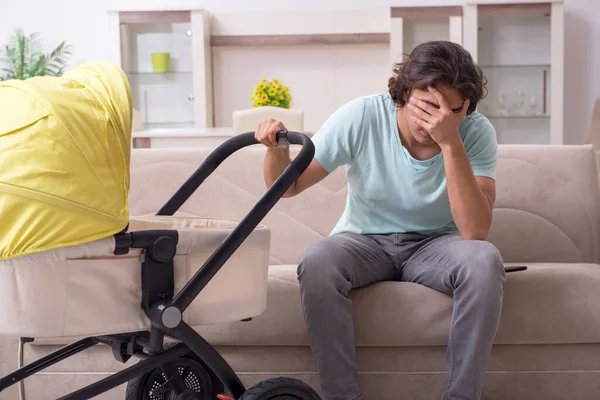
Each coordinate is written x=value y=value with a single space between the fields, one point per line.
x=237 y=236
x=229 y=147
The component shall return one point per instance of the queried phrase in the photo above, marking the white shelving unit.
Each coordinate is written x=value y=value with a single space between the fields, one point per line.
x=182 y=96
x=520 y=48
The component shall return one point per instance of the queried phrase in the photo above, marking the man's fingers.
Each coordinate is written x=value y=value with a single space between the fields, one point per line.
x=267 y=130
x=421 y=122
x=262 y=132
x=440 y=97
x=428 y=108
x=419 y=113
x=272 y=133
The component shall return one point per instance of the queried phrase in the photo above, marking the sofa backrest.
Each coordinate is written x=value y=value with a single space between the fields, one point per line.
x=547 y=208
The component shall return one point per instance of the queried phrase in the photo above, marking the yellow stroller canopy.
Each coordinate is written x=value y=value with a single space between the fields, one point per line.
x=65 y=145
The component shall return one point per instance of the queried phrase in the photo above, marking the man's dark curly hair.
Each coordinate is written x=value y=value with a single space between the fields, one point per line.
x=437 y=62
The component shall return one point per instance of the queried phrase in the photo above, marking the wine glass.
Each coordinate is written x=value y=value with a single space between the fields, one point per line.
x=520 y=102
x=533 y=105
x=501 y=104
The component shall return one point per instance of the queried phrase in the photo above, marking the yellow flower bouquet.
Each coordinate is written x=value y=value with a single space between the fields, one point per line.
x=271 y=93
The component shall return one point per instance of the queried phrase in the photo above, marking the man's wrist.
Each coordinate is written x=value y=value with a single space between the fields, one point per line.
x=279 y=152
x=276 y=149
x=453 y=144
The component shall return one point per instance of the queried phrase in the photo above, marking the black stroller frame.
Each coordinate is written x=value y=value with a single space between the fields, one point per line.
x=165 y=308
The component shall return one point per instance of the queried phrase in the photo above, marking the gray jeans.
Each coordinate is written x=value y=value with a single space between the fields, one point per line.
x=472 y=271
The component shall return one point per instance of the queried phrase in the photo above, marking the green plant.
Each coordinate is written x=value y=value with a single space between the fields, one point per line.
x=24 y=57
x=271 y=93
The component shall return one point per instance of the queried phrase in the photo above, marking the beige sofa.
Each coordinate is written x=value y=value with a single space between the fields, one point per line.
x=548 y=346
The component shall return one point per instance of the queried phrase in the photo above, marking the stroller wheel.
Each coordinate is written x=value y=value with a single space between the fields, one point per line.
x=280 y=389
x=197 y=382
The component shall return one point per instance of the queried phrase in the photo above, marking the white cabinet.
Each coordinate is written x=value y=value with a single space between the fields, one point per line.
x=520 y=47
x=166 y=57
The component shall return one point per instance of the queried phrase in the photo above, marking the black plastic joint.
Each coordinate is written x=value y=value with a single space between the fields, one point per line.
x=158 y=275
x=165 y=316
x=120 y=352
x=163 y=249
x=123 y=242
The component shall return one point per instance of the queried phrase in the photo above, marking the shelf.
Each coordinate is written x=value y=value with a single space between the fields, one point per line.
x=426 y=12
x=517 y=116
x=174 y=131
x=537 y=66
x=163 y=125
x=300 y=40
x=153 y=17
x=515 y=9
x=176 y=79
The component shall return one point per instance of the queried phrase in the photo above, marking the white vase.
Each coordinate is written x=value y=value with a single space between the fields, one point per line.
x=247 y=120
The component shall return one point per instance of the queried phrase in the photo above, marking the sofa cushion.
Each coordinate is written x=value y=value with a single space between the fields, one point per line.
x=549 y=303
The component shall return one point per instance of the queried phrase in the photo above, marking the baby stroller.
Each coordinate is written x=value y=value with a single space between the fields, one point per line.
x=75 y=266
x=189 y=368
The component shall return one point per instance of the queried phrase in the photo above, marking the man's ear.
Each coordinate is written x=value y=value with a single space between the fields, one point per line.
x=466 y=105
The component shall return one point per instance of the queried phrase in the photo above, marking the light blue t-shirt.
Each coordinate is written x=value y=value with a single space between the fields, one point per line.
x=389 y=191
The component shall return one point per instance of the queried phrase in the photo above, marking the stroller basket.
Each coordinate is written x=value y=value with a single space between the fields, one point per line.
x=87 y=290
x=158 y=279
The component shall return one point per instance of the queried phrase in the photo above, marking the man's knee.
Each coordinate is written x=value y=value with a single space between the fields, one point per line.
x=483 y=262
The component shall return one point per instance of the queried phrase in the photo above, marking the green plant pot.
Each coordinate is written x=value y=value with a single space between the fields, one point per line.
x=161 y=62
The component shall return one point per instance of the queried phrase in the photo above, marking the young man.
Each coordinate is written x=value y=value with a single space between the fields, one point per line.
x=420 y=163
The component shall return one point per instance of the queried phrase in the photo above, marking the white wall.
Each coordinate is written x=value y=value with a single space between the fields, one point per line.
x=94 y=35
x=337 y=74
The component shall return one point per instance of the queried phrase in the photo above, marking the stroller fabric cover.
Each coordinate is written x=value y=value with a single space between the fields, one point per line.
x=65 y=146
